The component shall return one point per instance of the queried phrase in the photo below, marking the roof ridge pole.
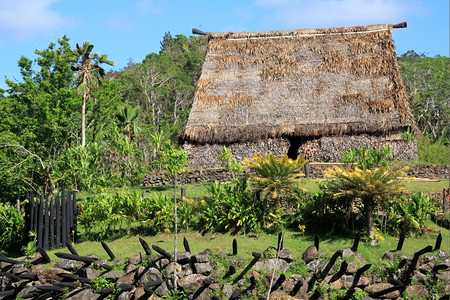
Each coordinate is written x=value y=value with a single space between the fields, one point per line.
x=198 y=31
x=400 y=25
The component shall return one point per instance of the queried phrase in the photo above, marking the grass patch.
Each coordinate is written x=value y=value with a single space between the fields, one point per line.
x=297 y=243
x=434 y=186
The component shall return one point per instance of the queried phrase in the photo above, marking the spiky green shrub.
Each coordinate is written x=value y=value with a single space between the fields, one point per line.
x=275 y=176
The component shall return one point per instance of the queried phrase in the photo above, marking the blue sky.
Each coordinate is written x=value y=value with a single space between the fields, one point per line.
x=131 y=29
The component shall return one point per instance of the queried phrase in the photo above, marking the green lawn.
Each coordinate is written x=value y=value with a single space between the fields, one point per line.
x=294 y=241
x=433 y=186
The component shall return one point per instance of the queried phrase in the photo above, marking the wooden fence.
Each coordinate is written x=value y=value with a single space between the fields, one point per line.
x=53 y=220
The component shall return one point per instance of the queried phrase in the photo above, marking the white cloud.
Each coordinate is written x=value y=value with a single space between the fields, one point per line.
x=334 y=13
x=22 y=20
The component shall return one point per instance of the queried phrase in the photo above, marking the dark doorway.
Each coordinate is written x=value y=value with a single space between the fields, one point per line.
x=295 y=143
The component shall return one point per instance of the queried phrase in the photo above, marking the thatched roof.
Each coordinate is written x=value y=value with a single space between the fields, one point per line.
x=311 y=82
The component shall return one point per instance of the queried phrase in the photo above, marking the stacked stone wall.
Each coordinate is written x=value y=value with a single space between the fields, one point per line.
x=314 y=171
x=206 y=275
x=324 y=149
x=207 y=156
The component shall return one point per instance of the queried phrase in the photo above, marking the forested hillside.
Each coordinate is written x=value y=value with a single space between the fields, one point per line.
x=130 y=113
x=427 y=81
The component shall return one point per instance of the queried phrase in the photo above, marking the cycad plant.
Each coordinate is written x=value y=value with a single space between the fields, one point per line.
x=369 y=186
x=275 y=176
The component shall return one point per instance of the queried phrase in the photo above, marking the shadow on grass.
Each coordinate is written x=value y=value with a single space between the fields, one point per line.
x=322 y=237
x=160 y=188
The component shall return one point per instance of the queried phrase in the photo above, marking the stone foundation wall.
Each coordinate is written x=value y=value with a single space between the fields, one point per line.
x=315 y=170
x=207 y=156
x=330 y=149
x=192 y=176
x=422 y=171
x=429 y=171
x=324 y=149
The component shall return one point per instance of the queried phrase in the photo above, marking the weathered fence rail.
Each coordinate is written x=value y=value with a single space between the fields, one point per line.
x=53 y=219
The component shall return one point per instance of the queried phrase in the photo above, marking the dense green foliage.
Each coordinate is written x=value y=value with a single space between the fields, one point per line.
x=228 y=207
x=12 y=223
x=234 y=207
x=367 y=158
x=408 y=213
x=229 y=163
x=427 y=80
x=433 y=153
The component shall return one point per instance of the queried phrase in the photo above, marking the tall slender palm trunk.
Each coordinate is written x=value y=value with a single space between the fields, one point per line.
x=83 y=122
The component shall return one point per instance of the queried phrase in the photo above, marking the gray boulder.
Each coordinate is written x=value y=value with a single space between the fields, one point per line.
x=203 y=268
x=191 y=283
x=149 y=275
x=286 y=255
x=270 y=265
x=310 y=254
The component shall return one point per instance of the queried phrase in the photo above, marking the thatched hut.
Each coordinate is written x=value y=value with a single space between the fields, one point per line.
x=314 y=92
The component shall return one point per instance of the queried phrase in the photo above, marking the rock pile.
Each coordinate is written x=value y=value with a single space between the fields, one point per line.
x=149 y=275
x=315 y=170
x=191 y=176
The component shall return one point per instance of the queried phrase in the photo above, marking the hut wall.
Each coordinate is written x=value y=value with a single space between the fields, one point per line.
x=330 y=148
x=207 y=155
x=324 y=149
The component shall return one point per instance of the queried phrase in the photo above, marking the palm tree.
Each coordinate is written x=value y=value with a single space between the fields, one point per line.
x=275 y=176
x=370 y=186
x=88 y=73
x=157 y=139
x=128 y=116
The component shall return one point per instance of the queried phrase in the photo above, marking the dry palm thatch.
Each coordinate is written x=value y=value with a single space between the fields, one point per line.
x=312 y=82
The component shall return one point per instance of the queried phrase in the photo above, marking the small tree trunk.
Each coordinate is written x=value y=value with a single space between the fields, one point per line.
x=369 y=212
x=176 y=233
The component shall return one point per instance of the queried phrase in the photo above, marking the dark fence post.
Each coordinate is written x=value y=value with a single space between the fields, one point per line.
x=68 y=216
x=58 y=221
x=40 y=221
x=52 y=223
x=36 y=214
x=307 y=169
x=63 y=216
x=46 y=224
x=74 y=219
